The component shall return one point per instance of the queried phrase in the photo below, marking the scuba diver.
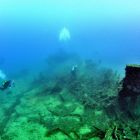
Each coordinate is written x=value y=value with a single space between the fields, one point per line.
x=74 y=71
x=7 y=84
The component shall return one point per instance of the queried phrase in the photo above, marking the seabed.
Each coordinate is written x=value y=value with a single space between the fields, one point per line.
x=58 y=104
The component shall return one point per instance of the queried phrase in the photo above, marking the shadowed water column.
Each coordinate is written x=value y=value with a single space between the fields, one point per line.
x=129 y=94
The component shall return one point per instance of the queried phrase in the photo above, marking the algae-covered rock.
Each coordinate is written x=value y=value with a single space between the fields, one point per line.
x=79 y=110
x=84 y=130
x=62 y=110
x=69 y=124
x=21 y=129
x=95 y=138
x=66 y=96
x=58 y=136
x=66 y=125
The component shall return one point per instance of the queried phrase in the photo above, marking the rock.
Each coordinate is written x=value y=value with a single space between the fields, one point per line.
x=84 y=130
x=130 y=91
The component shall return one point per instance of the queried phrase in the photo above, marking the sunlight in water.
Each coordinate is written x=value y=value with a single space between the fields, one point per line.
x=64 y=35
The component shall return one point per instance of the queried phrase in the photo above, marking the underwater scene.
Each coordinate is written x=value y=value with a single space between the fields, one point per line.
x=69 y=70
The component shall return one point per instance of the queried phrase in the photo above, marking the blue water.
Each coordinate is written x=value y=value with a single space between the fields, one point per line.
x=50 y=96
x=106 y=31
